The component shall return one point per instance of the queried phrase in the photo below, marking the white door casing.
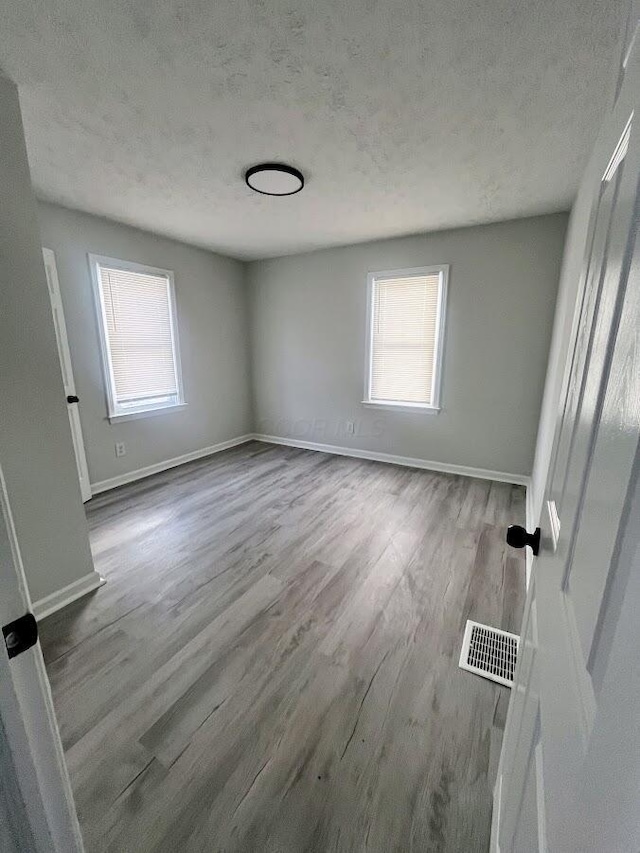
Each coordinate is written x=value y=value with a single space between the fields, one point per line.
x=67 y=371
x=558 y=789
x=36 y=768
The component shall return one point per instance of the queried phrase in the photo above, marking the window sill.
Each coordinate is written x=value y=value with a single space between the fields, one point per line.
x=146 y=413
x=413 y=408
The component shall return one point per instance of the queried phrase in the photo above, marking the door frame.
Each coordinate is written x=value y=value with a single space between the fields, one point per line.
x=36 y=769
x=66 y=366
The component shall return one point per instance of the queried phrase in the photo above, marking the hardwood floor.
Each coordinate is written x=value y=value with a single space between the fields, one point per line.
x=272 y=664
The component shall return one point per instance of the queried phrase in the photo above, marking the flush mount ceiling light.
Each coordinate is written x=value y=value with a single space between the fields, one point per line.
x=274 y=179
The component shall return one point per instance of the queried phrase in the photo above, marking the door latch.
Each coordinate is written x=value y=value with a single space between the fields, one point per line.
x=518 y=537
x=20 y=635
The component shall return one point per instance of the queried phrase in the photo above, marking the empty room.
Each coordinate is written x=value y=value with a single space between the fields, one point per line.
x=320 y=427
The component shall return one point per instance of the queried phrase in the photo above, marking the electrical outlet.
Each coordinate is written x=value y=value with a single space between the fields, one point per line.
x=351 y=428
x=121 y=450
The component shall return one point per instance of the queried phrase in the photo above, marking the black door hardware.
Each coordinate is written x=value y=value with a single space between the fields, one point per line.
x=73 y=399
x=21 y=634
x=518 y=537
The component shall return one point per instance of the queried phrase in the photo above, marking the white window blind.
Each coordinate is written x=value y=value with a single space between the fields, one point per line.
x=406 y=314
x=139 y=338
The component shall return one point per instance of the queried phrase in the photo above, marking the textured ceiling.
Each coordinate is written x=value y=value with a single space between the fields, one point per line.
x=404 y=115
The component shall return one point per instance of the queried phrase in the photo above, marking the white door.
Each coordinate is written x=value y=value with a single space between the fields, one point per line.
x=67 y=371
x=33 y=774
x=574 y=715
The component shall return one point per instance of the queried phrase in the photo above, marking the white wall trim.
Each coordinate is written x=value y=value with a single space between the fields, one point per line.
x=531 y=522
x=426 y=464
x=59 y=599
x=442 y=271
x=158 y=467
x=95 y=263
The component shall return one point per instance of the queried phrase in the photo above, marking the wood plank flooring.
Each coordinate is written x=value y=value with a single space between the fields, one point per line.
x=272 y=664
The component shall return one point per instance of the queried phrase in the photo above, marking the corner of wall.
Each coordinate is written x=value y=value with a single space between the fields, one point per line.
x=36 y=452
x=249 y=341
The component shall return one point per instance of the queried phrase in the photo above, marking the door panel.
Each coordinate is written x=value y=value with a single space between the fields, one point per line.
x=521 y=738
x=629 y=39
x=556 y=714
x=33 y=756
x=587 y=383
x=610 y=470
x=583 y=343
x=527 y=839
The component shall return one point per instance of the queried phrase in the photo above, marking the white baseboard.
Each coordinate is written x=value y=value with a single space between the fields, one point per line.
x=57 y=600
x=45 y=606
x=158 y=467
x=426 y=464
x=393 y=459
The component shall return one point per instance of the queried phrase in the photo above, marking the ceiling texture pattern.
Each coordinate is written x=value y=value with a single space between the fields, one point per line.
x=404 y=115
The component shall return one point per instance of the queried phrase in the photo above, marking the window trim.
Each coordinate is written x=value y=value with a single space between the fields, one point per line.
x=398 y=405
x=115 y=413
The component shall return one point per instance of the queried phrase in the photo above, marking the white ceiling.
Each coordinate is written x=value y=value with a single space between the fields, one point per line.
x=404 y=115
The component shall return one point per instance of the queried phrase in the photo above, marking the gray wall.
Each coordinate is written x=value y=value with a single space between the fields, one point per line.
x=36 y=453
x=211 y=303
x=308 y=337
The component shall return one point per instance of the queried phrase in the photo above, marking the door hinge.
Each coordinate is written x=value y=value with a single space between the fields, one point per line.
x=21 y=634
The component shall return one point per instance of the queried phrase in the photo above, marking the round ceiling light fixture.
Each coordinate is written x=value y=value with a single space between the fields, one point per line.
x=274 y=179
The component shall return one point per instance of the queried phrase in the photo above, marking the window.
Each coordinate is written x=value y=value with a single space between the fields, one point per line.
x=138 y=332
x=405 y=336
